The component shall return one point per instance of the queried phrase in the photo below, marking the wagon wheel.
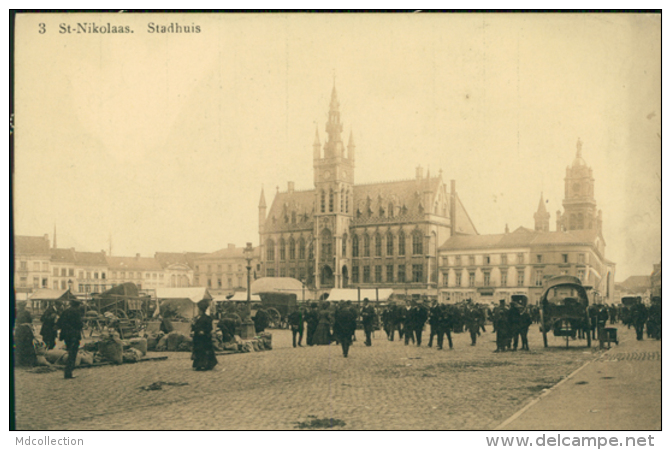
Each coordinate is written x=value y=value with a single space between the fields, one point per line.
x=121 y=314
x=136 y=315
x=275 y=318
x=543 y=330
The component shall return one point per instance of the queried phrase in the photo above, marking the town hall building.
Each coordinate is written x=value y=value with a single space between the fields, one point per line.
x=343 y=235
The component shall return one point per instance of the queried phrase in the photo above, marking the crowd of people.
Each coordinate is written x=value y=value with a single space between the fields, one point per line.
x=337 y=322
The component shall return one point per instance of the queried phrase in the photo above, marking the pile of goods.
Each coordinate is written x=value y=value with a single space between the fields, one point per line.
x=179 y=342
x=110 y=349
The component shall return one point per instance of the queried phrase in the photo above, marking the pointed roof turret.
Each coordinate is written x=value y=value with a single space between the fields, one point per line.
x=541 y=205
x=316 y=142
x=262 y=200
x=335 y=104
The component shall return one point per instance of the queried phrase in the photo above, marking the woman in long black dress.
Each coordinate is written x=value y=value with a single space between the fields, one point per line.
x=203 y=349
x=23 y=339
x=323 y=332
x=48 y=329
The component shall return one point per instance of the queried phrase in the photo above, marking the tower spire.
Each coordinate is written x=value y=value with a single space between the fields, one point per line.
x=578 y=145
x=542 y=217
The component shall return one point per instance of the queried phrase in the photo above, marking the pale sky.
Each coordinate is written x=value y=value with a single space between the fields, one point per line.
x=165 y=140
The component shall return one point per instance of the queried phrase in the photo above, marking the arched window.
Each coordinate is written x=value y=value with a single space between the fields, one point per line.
x=326 y=244
x=366 y=245
x=378 y=244
x=293 y=216
x=323 y=201
x=283 y=250
x=292 y=249
x=390 y=210
x=342 y=200
x=355 y=246
x=572 y=222
x=581 y=222
x=270 y=250
x=417 y=243
x=401 y=243
x=381 y=211
x=347 y=201
x=301 y=248
x=390 y=244
x=344 y=245
x=331 y=199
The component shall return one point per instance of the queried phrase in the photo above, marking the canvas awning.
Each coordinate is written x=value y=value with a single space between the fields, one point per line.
x=195 y=294
x=182 y=300
x=277 y=285
x=237 y=297
x=353 y=294
x=52 y=294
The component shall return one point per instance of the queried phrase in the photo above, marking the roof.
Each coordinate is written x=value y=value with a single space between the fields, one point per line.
x=133 y=263
x=90 y=258
x=52 y=294
x=122 y=290
x=166 y=259
x=228 y=253
x=31 y=245
x=368 y=199
x=63 y=255
x=356 y=294
x=522 y=237
x=195 y=294
x=276 y=284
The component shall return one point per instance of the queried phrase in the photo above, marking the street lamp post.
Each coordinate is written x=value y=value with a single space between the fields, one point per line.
x=247 y=331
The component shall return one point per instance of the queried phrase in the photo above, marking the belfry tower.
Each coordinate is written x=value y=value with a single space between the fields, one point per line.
x=580 y=211
x=334 y=181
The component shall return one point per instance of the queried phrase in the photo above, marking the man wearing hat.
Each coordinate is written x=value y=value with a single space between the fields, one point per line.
x=70 y=323
x=312 y=318
x=368 y=318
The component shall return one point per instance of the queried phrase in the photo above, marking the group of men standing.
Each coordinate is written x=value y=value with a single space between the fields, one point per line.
x=511 y=324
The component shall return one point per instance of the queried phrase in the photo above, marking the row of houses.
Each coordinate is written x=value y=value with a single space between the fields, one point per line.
x=40 y=265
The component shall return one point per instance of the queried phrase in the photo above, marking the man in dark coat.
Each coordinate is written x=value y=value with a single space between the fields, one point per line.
x=500 y=321
x=639 y=315
x=408 y=322
x=48 y=329
x=514 y=323
x=368 y=319
x=445 y=324
x=70 y=323
x=396 y=316
x=312 y=318
x=472 y=320
x=296 y=320
x=261 y=320
x=420 y=315
x=434 y=320
x=344 y=326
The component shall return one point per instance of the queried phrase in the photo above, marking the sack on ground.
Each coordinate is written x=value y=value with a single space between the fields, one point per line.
x=86 y=358
x=132 y=355
x=162 y=345
x=174 y=339
x=54 y=355
x=41 y=361
x=111 y=350
x=230 y=347
x=140 y=344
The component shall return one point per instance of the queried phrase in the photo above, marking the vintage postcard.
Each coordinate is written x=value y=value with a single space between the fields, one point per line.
x=342 y=221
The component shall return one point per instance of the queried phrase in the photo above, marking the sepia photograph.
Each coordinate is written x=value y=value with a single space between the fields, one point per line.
x=337 y=221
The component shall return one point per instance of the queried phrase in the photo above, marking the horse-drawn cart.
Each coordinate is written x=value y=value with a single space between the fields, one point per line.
x=564 y=309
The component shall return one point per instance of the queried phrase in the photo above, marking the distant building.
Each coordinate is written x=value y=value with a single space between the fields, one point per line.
x=341 y=234
x=225 y=271
x=144 y=272
x=177 y=267
x=486 y=268
x=91 y=270
x=32 y=258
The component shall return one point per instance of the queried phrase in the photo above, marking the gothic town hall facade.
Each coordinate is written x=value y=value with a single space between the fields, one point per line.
x=346 y=235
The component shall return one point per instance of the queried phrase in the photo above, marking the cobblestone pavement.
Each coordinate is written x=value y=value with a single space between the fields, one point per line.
x=386 y=386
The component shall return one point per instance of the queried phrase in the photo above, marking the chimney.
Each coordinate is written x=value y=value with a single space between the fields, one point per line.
x=290 y=188
x=507 y=229
x=419 y=173
x=230 y=246
x=137 y=256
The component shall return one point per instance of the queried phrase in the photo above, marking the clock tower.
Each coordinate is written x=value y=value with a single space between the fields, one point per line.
x=580 y=211
x=334 y=201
